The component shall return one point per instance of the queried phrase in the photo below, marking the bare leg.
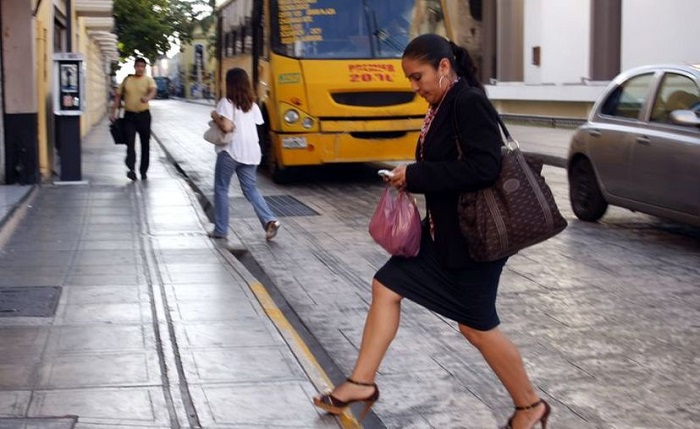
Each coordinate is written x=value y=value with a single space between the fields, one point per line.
x=505 y=361
x=380 y=329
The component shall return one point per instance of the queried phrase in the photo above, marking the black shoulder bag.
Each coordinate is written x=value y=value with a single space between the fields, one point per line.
x=518 y=211
x=116 y=128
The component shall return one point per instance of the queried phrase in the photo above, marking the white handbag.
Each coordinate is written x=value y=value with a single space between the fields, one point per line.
x=216 y=136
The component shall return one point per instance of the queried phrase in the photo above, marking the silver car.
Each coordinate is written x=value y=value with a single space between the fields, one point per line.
x=640 y=147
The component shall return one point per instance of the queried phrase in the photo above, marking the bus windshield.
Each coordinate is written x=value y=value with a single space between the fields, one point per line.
x=351 y=28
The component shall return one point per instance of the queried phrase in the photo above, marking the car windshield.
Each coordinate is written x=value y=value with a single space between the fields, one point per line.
x=351 y=28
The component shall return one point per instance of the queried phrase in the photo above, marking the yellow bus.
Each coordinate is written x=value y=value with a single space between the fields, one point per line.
x=327 y=75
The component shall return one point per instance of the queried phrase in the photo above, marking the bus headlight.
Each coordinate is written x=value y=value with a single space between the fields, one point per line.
x=307 y=123
x=291 y=116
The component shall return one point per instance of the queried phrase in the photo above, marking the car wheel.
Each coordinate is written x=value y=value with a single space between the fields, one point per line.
x=586 y=199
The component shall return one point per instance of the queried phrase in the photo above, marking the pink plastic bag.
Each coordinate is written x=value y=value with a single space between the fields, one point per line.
x=395 y=224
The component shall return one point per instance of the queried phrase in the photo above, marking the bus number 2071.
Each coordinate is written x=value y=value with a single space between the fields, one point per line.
x=371 y=77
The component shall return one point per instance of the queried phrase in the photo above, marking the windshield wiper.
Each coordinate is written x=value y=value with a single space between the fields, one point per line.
x=383 y=35
x=379 y=35
x=369 y=14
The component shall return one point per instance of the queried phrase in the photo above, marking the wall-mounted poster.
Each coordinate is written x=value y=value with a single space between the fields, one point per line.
x=69 y=77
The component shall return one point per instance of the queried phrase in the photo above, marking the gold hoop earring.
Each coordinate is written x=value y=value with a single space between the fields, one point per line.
x=440 y=81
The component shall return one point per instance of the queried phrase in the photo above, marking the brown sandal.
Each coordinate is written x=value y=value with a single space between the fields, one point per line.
x=335 y=406
x=542 y=420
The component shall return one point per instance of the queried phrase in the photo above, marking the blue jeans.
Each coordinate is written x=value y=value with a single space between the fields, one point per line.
x=225 y=166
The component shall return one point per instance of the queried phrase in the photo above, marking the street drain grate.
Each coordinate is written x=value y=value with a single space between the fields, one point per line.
x=286 y=205
x=281 y=205
x=38 y=423
x=33 y=301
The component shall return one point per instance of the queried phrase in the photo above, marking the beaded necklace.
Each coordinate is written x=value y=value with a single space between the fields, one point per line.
x=428 y=120
x=429 y=116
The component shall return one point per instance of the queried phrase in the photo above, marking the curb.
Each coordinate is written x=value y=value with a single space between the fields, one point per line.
x=292 y=337
x=9 y=222
x=551 y=160
x=554 y=161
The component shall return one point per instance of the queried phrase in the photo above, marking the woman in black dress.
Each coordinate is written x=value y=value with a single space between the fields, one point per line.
x=443 y=278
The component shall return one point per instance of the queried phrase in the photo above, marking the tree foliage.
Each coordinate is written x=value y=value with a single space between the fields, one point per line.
x=209 y=18
x=149 y=28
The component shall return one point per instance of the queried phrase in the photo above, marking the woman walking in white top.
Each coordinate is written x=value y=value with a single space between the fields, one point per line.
x=237 y=113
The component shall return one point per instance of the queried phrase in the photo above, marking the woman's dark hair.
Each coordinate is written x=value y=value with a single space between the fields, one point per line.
x=432 y=48
x=238 y=89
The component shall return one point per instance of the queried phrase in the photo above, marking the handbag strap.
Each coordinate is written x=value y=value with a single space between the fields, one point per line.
x=233 y=113
x=121 y=108
x=509 y=138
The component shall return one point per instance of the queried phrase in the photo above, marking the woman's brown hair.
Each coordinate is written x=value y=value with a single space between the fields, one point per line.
x=238 y=89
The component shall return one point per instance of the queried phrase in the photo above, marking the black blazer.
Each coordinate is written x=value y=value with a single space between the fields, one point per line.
x=441 y=176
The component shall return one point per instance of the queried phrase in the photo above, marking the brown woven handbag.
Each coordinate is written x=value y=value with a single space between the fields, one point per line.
x=518 y=211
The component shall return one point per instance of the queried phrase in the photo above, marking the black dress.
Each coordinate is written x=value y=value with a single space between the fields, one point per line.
x=443 y=278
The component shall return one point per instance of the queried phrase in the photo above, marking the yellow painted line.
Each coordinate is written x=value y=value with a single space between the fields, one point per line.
x=301 y=350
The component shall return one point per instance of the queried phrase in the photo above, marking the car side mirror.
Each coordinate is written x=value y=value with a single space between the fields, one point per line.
x=685 y=117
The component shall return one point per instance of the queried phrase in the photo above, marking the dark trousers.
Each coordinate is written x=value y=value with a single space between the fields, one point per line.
x=137 y=122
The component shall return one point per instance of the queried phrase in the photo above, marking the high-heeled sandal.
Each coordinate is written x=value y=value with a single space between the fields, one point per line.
x=542 y=420
x=335 y=406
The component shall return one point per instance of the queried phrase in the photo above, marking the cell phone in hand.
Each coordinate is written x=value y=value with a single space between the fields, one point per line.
x=385 y=173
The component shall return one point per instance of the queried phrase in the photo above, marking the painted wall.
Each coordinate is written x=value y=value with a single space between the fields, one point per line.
x=563 y=29
x=531 y=39
x=510 y=40
x=660 y=32
x=44 y=84
x=467 y=31
x=18 y=44
x=97 y=82
x=21 y=156
x=2 y=131
x=28 y=147
x=652 y=32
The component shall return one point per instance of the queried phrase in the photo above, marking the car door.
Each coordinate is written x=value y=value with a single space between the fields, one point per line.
x=611 y=136
x=666 y=156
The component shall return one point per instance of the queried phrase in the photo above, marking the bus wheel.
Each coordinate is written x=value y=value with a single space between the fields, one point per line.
x=265 y=145
x=281 y=176
x=268 y=161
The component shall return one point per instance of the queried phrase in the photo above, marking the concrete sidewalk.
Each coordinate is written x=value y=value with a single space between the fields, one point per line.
x=116 y=310
x=11 y=196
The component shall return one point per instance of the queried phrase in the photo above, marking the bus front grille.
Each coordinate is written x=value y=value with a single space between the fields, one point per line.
x=378 y=135
x=373 y=99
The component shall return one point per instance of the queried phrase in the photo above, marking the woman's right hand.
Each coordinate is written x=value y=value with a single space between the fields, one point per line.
x=398 y=179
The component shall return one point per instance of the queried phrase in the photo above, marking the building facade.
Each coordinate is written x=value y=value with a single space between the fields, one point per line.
x=197 y=65
x=554 y=57
x=32 y=32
